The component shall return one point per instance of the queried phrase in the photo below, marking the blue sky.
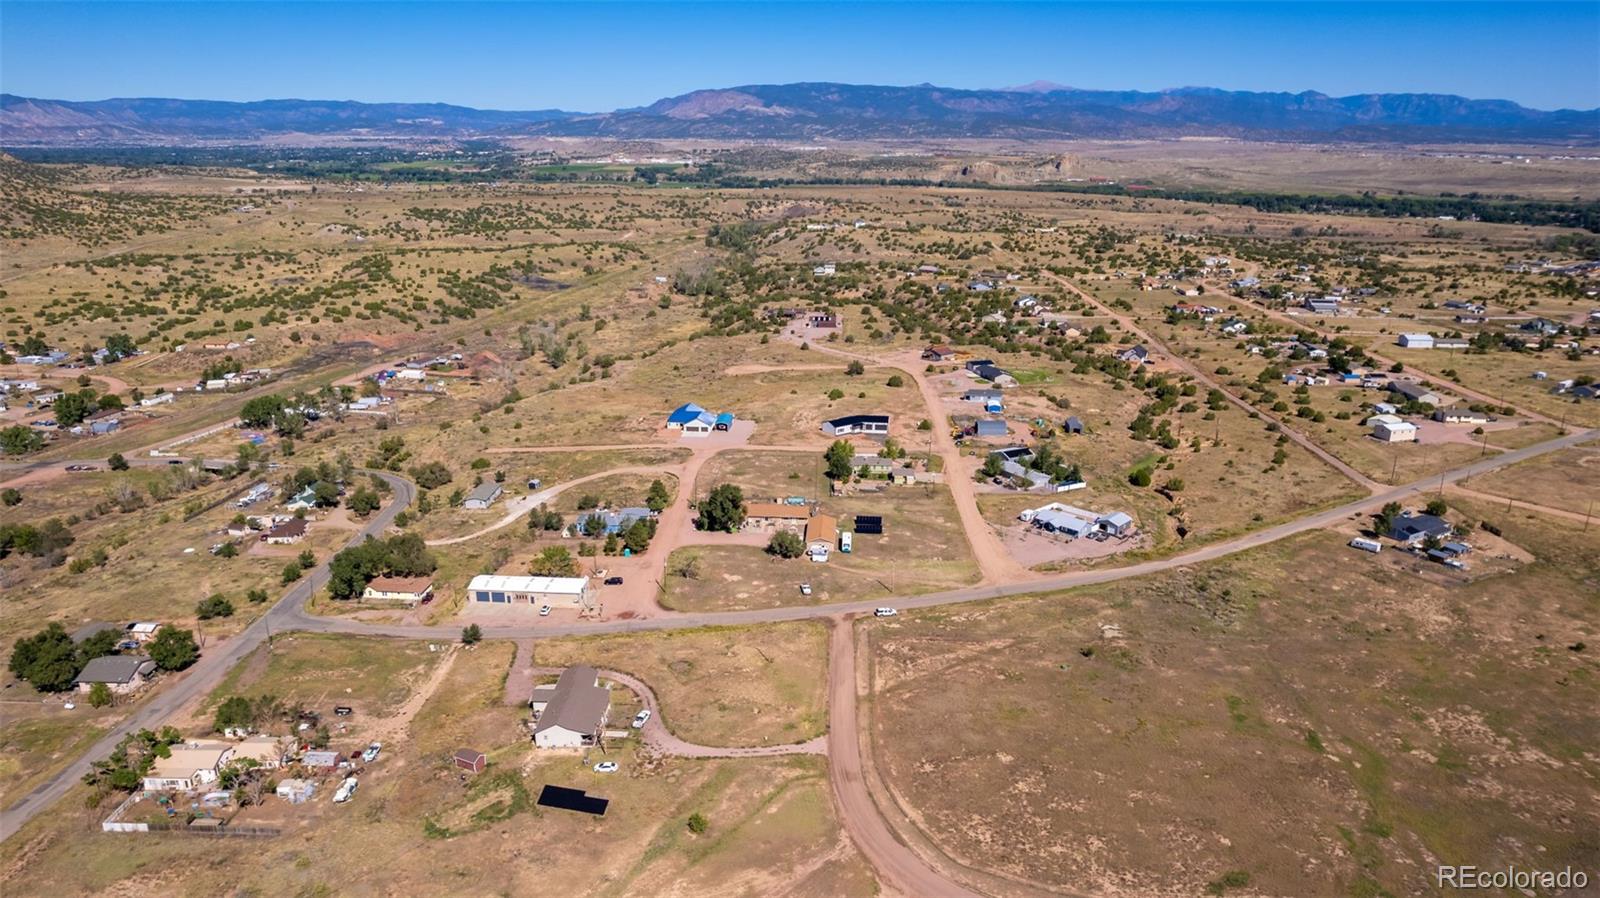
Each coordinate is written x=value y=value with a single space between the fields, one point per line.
x=601 y=56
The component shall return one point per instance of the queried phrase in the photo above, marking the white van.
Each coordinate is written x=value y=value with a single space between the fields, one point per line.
x=844 y=542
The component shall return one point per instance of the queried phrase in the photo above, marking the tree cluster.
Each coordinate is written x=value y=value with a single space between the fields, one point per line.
x=723 y=509
x=403 y=555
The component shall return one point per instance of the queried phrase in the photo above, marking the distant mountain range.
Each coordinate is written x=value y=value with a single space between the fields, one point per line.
x=819 y=111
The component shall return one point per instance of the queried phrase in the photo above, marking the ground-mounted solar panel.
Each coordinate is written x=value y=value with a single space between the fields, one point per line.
x=566 y=799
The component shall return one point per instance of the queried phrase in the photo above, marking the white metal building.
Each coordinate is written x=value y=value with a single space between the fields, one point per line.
x=1390 y=429
x=497 y=590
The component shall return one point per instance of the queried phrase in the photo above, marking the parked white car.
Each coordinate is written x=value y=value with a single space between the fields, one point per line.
x=606 y=767
x=884 y=612
x=544 y=610
x=640 y=719
x=805 y=589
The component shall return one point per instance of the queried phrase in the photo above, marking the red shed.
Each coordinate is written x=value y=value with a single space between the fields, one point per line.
x=467 y=759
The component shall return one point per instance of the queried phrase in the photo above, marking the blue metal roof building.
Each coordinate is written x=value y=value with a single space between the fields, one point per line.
x=683 y=414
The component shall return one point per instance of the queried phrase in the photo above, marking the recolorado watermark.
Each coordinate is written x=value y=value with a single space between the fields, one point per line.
x=1469 y=877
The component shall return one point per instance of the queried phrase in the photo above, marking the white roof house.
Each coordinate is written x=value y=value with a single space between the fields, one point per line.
x=501 y=589
x=1392 y=430
x=1062 y=522
x=190 y=766
x=1117 y=522
x=1416 y=341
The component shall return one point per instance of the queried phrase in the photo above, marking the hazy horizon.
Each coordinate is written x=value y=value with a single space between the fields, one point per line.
x=614 y=56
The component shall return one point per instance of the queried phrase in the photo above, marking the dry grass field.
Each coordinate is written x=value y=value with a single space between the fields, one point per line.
x=722 y=686
x=1299 y=719
x=158 y=562
x=1569 y=479
x=1319 y=722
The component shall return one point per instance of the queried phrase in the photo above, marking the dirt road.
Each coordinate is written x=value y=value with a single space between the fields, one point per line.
x=1530 y=506
x=1188 y=367
x=995 y=564
x=897 y=866
x=1300 y=323
x=521 y=505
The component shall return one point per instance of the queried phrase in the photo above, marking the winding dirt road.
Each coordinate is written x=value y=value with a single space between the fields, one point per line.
x=521 y=505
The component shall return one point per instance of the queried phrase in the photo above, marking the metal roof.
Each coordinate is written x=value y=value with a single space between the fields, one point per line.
x=114 y=669
x=507 y=583
x=578 y=703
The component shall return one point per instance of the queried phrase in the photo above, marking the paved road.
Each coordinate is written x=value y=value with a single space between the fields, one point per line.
x=1317 y=521
x=204 y=676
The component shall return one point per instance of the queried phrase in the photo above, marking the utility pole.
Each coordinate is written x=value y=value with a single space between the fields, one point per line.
x=1587 y=515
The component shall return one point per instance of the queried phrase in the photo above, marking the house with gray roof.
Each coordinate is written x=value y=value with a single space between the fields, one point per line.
x=482 y=496
x=1415 y=392
x=990 y=427
x=122 y=673
x=572 y=712
x=1412 y=529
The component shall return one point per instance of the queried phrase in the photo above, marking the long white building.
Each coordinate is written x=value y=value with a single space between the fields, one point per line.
x=500 y=591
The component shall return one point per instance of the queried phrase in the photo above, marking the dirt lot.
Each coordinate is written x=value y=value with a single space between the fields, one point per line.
x=1320 y=722
x=1569 y=479
x=374 y=676
x=766 y=683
